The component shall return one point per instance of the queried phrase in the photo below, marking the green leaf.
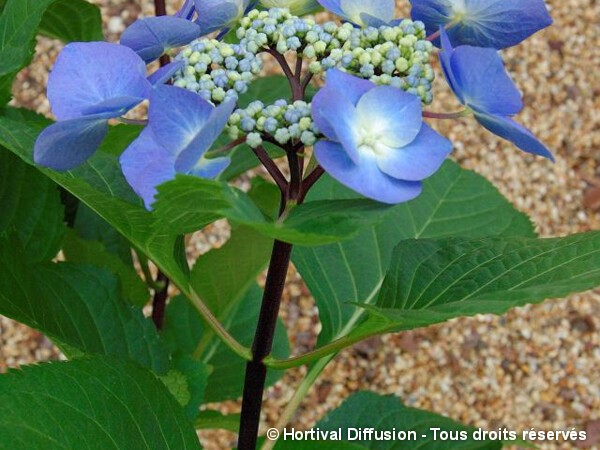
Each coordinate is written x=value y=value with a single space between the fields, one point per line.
x=222 y=276
x=72 y=20
x=80 y=250
x=214 y=420
x=183 y=331
x=77 y=305
x=188 y=203
x=30 y=204
x=196 y=375
x=455 y=202
x=96 y=403
x=387 y=413
x=100 y=184
x=19 y=24
x=90 y=226
x=430 y=281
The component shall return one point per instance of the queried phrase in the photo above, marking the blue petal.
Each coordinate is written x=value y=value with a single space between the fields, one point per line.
x=210 y=168
x=205 y=137
x=419 y=159
x=446 y=63
x=483 y=82
x=147 y=164
x=176 y=116
x=332 y=5
x=510 y=130
x=151 y=37
x=87 y=74
x=187 y=10
x=365 y=178
x=368 y=12
x=484 y=23
x=215 y=15
x=113 y=107
x=352 y=87
x=393 y=114
x=335 y=116
x=67 y=144
x=165 y=73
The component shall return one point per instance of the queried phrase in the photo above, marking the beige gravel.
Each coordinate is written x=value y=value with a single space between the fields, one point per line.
x=537 y=366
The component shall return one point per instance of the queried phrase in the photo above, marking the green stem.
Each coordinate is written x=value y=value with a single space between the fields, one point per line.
x=292 y=406
x=216 y=326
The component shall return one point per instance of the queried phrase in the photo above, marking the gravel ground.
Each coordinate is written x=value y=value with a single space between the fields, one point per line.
x=538 y=366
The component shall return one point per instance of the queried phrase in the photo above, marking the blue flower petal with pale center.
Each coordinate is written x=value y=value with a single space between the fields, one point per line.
x=152 y=36
x=87 y=74
x=65 y=145
x=417 y=160
x=483 y=23
x=364 y=13
x=365 y=178
x=510 y=130
x=147 y=164
x=390 y=113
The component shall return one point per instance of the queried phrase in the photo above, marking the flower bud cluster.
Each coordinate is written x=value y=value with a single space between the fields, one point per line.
x=389 y=55
x=281 y=121
x=217 y=71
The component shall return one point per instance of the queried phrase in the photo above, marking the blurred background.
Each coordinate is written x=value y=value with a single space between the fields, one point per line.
x=535 y=367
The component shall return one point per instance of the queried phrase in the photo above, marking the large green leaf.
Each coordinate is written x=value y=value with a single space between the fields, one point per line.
x=72 y=20
x=183 y=331
x=19 y=24
x=30 y=205
x=189 y=203
x=430 y=281
x=81 y=250
x=365 y=410
x=455 y=202
x=76 y=305
x=100 y=184
x=222 y=276
x=97 y=403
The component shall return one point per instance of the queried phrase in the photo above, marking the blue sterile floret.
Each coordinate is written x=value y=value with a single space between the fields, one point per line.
x=283 y=122
x=215 y=70
x=470 y=71
x=375 y=140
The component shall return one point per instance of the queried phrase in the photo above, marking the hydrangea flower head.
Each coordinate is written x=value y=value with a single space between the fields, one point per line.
x=89 y=84
x=483 y=23
x=182 y=128
x=478 y=78
x=377 y=143
x=364 y=13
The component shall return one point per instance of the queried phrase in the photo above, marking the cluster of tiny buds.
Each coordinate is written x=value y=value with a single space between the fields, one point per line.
x=390 y=55
x=281 y=121
x=217 y=71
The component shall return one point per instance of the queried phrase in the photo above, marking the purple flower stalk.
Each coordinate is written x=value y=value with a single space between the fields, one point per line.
x=377 y=143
